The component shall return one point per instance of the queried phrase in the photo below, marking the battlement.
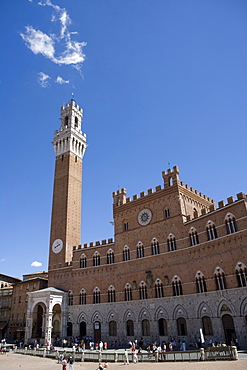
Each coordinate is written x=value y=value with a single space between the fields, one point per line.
x=185 y=186
x=171 y=178
x=94 y=244
x=231 y=200
x=221 y=204
x=69 y=106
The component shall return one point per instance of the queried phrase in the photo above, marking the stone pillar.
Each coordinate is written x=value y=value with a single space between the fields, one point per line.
x=202 y=354
x=63 y=324
x=48 y=328
x=234 y=353
x=28 y=328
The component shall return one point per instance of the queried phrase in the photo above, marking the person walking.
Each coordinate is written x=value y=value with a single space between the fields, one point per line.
x=71 y=363
x=126 y=357
x=64 y=364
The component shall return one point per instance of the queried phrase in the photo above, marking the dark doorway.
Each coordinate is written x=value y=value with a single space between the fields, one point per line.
x=69 y=329
x=229 y=329
x=83 y=329
x=130 y=328
x=162 y=327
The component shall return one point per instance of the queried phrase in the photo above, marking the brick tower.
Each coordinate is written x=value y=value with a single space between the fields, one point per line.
x=69 y=144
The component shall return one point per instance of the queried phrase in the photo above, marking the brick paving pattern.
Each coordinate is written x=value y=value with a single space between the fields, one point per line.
x=13 y=361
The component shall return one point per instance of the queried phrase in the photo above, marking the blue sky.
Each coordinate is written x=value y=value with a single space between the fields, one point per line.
x=161 y=82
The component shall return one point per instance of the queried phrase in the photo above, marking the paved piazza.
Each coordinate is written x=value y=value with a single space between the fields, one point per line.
x=13 y=361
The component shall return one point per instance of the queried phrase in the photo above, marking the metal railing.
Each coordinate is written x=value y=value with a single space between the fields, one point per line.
x=213 y=353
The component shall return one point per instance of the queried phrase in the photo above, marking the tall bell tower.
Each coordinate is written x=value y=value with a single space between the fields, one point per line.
x=69 y=145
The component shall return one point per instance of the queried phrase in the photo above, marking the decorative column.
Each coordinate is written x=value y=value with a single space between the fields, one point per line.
x=48 y=328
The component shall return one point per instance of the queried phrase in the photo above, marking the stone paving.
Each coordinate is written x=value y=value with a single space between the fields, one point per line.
x=12 y=361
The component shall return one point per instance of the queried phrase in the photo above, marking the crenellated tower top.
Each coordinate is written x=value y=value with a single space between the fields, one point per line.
x=70 y=138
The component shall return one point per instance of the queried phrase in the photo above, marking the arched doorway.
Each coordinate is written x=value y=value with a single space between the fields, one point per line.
x=38 y=320
x=181 y=326
x=56 y=321
x=229 y=329
x=130 y=328
x=97 y=331
x=69 y=329
x=162 y=324
x=83 y=329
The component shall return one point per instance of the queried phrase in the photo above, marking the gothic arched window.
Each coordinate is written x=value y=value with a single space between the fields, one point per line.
x=211 y=231
x=177 y=286
x=231 y=224
x=159 y=290
x=110 y=257
x=96 y=259
x=171 y=243
x=140 y=250
x=193 y=237
x=96 y=295
x=241 y=273
x=126 y=253
x=83 y=261
x=111 y=294
x=83 y=296
x=200 y=282
x=143 y=290
x=155 y=248
x=128 y=292
x=220 y=279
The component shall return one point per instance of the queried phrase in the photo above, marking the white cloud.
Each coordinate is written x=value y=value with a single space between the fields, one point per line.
x=61 y=81
x=41 y=43
x=36 y=264
x=43 y=79
x=2 y=259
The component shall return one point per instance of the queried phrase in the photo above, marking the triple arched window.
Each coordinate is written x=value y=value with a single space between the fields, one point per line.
x=231 y=224
x=96 y=259
x=143 y=290
x=200 y=283
x=177 y=286
x=83 y=297
x=83 y=261
x=128 y=292
x=194 y=240
x=111 y=294
x=171 y=243
x=211 y=230
x=155 y=248
x=159 y=290
x=140 y=250
x=110 y=257
x=126 y=253
x=96 y=295
x=220 y=279
x=241 y=273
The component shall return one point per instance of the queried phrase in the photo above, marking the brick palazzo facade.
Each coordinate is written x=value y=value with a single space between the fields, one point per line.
x=177 y=262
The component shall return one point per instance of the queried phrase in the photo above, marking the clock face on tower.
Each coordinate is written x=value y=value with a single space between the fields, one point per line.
x=57 y=246
x=144 y=217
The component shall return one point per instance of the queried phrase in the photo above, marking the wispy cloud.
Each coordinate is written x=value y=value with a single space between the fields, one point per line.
x=43 y=79
x=60 y=48
x=36 y=264
x=61 y=81
x=2 y=259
